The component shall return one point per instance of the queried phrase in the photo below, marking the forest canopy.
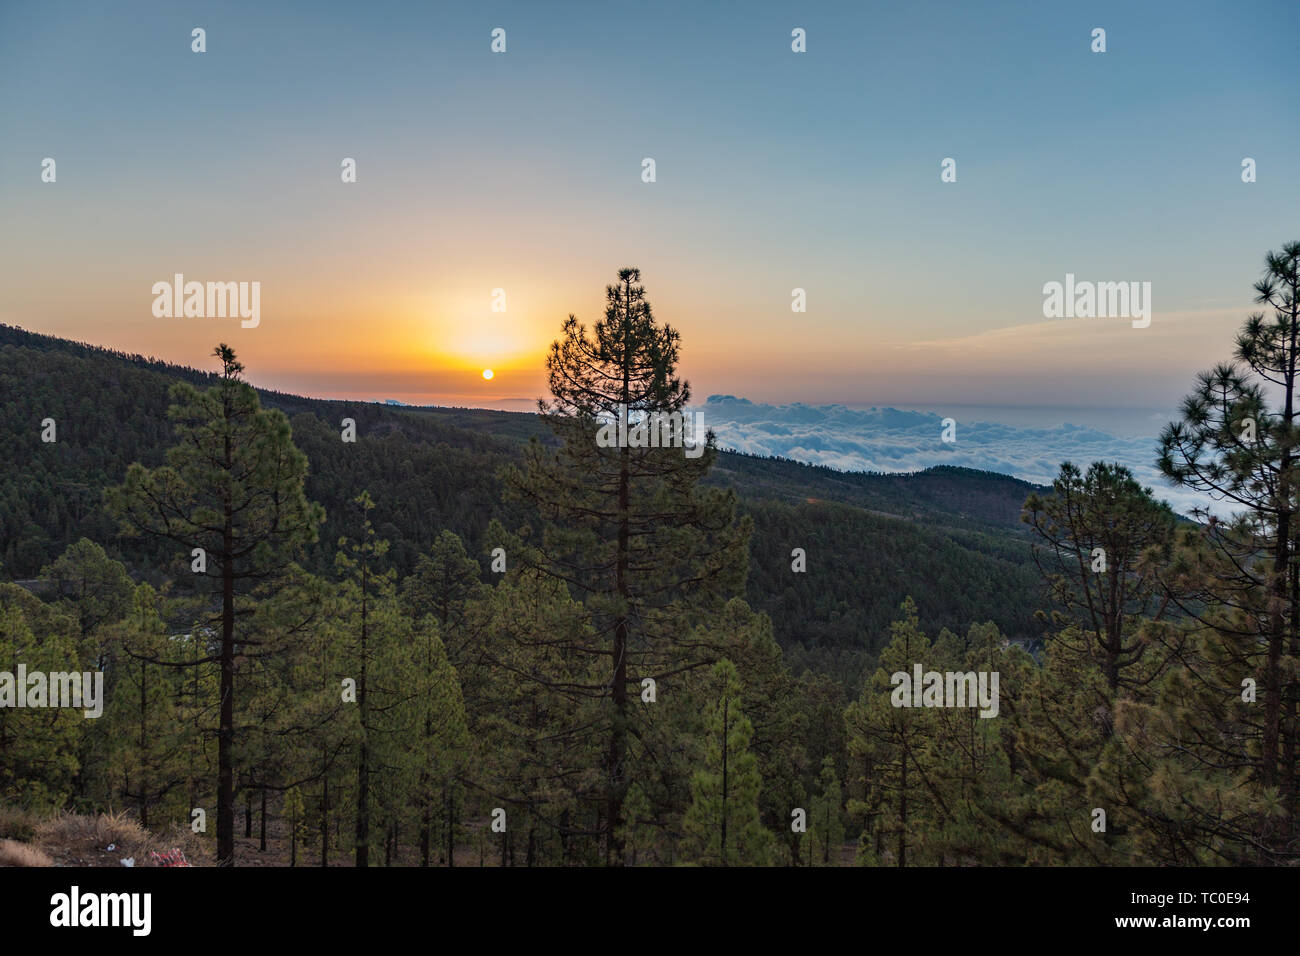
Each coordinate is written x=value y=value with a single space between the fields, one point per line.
x=462 y=637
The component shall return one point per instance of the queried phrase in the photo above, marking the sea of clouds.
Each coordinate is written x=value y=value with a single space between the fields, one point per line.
x=898 y=440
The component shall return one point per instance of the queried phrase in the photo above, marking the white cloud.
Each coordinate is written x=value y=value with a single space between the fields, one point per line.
x=898 y=440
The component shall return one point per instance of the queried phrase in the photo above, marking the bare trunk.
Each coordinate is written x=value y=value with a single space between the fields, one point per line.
x=226 y=727
x=363 y=760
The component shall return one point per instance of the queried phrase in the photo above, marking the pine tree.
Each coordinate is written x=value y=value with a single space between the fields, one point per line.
x=1015 y=787
x=436 y=734
x=723 y=820
x=148 y=741
x=372 y=629
x=295 y=812
x=38 y=745
x=887 y=747
x=1095 y=532
x=283 y=700
x=99 y=592
x=232 y=487
x=825 y=825
x=93 y=583
x=771 y=701
x=445 y=588
x=1237 y=443
x=1181 y=766
x=536 y=755
x=627 y=527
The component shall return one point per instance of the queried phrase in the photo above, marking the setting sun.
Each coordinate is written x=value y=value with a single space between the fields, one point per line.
x=488 y=373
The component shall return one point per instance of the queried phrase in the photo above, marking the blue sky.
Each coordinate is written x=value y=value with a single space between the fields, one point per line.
x=775 y=170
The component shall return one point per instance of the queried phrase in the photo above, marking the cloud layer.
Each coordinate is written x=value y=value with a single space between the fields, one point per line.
x=897 y=440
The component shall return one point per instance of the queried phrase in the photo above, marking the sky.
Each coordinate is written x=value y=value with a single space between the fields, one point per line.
x=774 y=170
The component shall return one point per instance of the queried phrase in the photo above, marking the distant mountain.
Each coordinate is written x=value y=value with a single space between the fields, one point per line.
x=949 y=537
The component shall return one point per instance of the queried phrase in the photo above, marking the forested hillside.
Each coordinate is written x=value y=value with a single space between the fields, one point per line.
x=950 y=537
x=423 y=636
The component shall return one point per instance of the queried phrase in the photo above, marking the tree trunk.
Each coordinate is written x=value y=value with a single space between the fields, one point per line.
x=226 y=727
x=725 y=720
x=325 y=822
x=618 y=689
x=363 y=761
x=144 y=788
x=902 y=814
x=451 y=826
x=424 y=833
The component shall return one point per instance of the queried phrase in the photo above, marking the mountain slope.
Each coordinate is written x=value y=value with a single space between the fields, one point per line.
x=950 y=537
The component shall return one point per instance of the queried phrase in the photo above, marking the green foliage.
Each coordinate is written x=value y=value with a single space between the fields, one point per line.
x=628 y=528
x=885 y=536
x=611 y=689
x=833 y=618
x=722 y=822
x=1104 y=538
x=38 y=744
x=144 y=735
x=230 y=494
x=825 y=820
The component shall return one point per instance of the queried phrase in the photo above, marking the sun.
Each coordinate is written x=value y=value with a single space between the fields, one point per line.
x=488 y=373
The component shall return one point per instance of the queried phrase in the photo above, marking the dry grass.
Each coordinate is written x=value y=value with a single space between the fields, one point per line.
x=105 y=828
x=16 y=824
x=76 y=840
x=13 y=853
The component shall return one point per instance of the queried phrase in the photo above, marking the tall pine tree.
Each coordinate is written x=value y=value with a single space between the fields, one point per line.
x=232 y=488
x=627 y=525
x=723 y=821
